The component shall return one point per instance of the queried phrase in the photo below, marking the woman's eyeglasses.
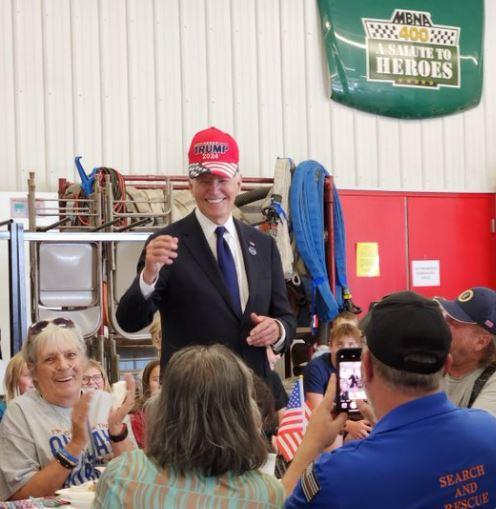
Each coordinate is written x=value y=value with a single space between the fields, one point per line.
x=37 y=327
x=92 y=378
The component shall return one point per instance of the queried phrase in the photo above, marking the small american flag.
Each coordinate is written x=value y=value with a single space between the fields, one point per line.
x=293 y=423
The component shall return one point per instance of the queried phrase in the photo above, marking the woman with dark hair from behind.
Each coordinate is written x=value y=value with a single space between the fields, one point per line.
x=204 y=442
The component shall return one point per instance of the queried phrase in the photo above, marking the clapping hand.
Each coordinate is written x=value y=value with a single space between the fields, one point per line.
x=79 y=417
x=117 y=415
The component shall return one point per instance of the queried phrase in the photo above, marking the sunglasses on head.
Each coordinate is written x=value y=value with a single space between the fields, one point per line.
x=37 y=327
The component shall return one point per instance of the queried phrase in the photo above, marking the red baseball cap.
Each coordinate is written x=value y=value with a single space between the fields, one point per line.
x=213 y=151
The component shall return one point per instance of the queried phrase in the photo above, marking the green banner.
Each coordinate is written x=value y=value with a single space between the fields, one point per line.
x=406 y=59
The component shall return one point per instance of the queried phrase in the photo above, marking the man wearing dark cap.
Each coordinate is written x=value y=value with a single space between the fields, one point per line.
x=471 y=379
x=424 y=451
x=213 y=278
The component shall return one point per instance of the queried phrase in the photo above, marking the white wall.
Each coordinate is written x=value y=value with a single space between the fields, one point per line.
x=126 y=83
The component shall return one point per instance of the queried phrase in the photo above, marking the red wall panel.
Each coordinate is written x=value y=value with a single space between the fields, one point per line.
x=456 y=230
x=452 y=228
x=382 y=219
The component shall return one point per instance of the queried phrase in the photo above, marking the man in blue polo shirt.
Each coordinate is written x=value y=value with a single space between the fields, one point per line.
x=424 y=452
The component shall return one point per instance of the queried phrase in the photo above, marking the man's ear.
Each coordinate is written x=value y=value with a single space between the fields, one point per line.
x=481 y=341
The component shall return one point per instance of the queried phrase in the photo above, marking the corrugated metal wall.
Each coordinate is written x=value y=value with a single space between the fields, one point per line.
x=126 y=83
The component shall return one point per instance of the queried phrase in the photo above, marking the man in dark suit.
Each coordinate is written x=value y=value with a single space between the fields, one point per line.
x=213 y=278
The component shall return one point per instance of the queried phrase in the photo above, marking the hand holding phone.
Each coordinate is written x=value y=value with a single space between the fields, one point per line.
x=350 y=383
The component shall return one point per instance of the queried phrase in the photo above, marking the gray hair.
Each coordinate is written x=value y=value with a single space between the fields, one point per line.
x=48 y=331
x=488 y=355
x=406 y=382
x=205 y=419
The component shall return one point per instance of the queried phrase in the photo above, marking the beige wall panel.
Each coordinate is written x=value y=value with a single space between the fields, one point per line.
x=8 y=103
x=366 y=151
x=454 y=152
x=114 y=72
x=87 y=82
x=194 y=69
x=475 y=149
x=270 y=132
x=142 y=98
x=388 y=152
x=169 y=93
x=343 y=142
x=490 y=96
x=433 y=167
x=219 y=64
x=411 y=155
x=318 y=106
x=59 y=119
x=245 y=85
x=294 y=97
x=126 y=83
x=30 y=91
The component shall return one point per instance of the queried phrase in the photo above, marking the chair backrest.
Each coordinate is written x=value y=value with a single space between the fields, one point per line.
x=69 y=284
x=120 y=276
x=67 y=275
x=126 y=258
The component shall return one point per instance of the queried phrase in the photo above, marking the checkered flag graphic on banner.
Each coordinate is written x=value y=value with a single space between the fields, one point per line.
x=391 y=32
x=382 y=31
x=444 y=36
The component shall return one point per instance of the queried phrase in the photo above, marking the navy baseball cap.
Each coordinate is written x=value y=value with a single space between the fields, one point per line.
x=476 y=305
x=408 y=332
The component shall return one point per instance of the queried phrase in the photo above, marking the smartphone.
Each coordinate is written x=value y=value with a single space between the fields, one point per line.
x=350 y=381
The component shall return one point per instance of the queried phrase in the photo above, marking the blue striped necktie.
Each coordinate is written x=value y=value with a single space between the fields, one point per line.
x=228 y=267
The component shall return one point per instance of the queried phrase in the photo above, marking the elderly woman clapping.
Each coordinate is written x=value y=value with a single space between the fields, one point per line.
x=204 y=442
x=53 y=436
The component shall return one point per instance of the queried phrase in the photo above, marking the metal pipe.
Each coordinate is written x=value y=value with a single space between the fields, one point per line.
x=251 y=196
x=32 y=201
x=329 y=222
x=54 y=225
x=17 y=283
x=105 y=225
x=133 y=225
x=80 y=236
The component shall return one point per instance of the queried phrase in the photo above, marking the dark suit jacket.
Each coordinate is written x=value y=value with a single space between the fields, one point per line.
x=194 y=302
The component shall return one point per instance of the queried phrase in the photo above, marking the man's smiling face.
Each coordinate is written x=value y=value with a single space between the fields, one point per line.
x=215 y=195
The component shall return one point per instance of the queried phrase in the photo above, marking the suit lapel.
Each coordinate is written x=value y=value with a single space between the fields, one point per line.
x=196 y=243
x=249 y=250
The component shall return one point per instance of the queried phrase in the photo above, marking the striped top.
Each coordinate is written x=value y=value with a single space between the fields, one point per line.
x=133 y=481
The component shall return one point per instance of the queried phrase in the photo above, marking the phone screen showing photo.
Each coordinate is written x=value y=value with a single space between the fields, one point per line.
x=350 y=385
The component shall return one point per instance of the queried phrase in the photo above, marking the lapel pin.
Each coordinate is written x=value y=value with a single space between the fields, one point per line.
x=251 y=249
